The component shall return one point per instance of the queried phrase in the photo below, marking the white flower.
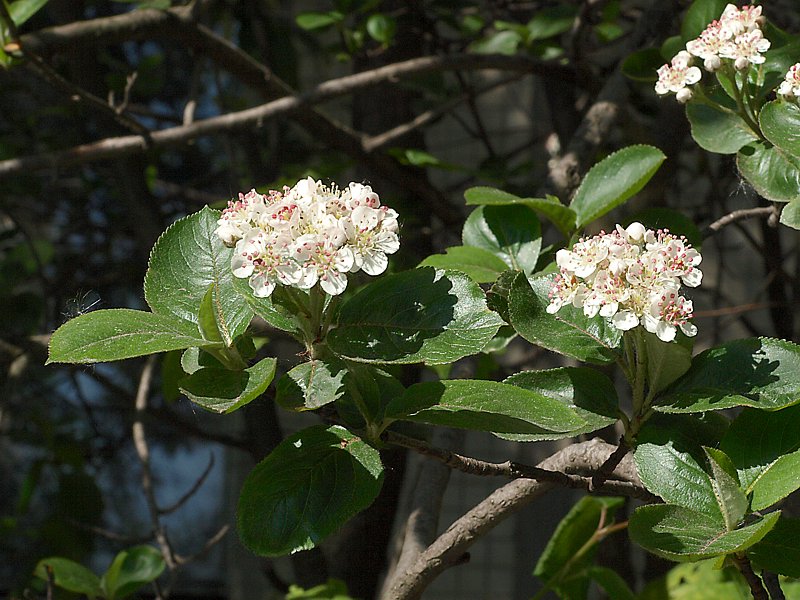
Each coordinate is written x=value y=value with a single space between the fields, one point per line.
x=632 y=277
x=735 y=21
x=790 y=86
x=675 y=76
x=746 y=48
x=308 y=234
x=709 y=44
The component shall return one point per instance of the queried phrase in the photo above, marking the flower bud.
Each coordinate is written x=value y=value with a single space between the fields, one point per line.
x=683 y=96
x=741 y=64
x=712 y=64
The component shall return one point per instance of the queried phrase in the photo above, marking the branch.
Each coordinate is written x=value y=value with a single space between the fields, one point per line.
x=448 y=549
x=740 y=215
x=746 y=569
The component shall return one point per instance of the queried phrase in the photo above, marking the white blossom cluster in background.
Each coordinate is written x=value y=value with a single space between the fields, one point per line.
x=308 y=234
x=631 y=276
x=736 y=38
x=790 y=86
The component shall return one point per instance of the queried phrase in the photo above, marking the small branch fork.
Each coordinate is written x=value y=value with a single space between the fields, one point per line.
x=770 y=212
x=173 y=561
x=515 y=470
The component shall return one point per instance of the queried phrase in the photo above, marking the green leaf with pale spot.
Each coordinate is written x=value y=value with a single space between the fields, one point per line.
x=306 y=489
x=186 y=260
x=613 y=180
x=224 y=391
x=423 y=315
x=483 y=406
x=119 y=333
x=684 y=535
x=481 y=265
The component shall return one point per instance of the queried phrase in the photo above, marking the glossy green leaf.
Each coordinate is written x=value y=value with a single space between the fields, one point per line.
x=367 y=392
x=317 y=20
x=423 y=315
x=642 y=65
x=549 y=22
x=613 y=180
x=334 y=589
x=481 y=265
x=22 y=10
x=550 y=207
x=115 y=334
x=131 y=569
x=185 y=261
x=381 y=28
x=565 y=560
x=665 y=361
x=223 y=390
x=790 y=215
x=681 y=534
x=718 y=130
x=307 y=488
x=276 y=309
x=764 y=447
x=779 y=551
x=311 y=384
x=731 y=499
x=759 y=372
x=567 y=332
x=483 y=406
x=773 y=173
x=206 y=319
x=512 y=233
x=586 y=391
x=699 y=16
x=71 y=576
x=701 y=580
x=500 y=42
x=780 y=124
x=671 y=462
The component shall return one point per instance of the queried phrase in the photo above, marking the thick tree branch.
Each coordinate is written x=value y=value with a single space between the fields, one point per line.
x=449 y=547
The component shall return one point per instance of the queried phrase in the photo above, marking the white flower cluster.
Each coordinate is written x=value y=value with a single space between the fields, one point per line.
x=306 y=234
x=736 y=37
x=790 y=86
x=631 y=276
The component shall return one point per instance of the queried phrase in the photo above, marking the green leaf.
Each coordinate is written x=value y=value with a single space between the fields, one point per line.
x=670 y=461
x=642 y=65
x=501 y=42
x=780 y=124
x=115 y=334
x=567 y=332
x=717 y=130
x=423 y=315
x=311 y=384
x=223 y=390
x=22 y=10
x=481 y=265
x=368 y=391
x=185 y=261
x=665 y=361
x=790 y=215
x=483 y=406
x=334 y=589
x=725 y=483
x=206 y=319
x=307 y=488
x=275 y=309
x=131 y=569
x=779 y=551
x=613 y=180
x=681 y=534
x=765 y=449
x=772 y=173
x=317 y=20
x=702 y=580
x=759 y=372
x=572 y=547
x=550 y=207
x=512 y=233
x=699 y=16
x=70 y=575
x=549 y=22
x=381 y=28
x=586 y=391
x=611 y=582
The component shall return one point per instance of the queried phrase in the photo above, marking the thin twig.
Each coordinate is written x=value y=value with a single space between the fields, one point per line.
x=746 y=569
x=192 y=490
x=210 y=543
x=607 y=468
x=773 y=585
x=739 y=215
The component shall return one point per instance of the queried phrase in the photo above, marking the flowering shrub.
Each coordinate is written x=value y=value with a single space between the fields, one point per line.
x=633 y=276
